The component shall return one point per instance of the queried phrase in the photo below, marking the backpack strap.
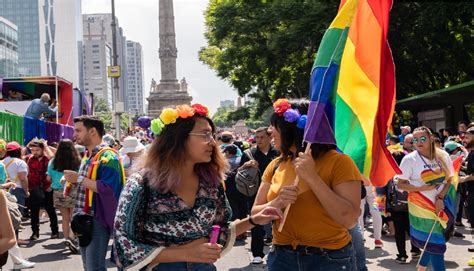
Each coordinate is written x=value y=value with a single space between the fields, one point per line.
x=249 y=154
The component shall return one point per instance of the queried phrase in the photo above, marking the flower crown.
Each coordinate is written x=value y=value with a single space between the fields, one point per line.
x=170 y=115
x=283 y=108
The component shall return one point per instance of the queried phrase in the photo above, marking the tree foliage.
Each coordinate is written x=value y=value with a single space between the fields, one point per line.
x=266 y=48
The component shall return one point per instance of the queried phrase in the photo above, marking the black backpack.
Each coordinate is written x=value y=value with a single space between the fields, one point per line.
x=247 y=179
x=398 y=199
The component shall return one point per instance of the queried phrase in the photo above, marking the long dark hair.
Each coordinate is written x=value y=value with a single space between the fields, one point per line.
x=66 y=157
x=167 y=154
x=291 y=135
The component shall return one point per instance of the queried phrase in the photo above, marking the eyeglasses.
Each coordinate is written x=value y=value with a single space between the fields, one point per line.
x=208 y=136
x=422 y=139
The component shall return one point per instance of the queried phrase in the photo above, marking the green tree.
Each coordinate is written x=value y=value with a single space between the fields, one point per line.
x=266 y=48
x=100 y=105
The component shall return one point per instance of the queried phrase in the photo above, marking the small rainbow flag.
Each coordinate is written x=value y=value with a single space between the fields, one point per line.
x=352 y=88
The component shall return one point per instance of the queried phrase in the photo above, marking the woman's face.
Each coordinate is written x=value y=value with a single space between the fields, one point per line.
x=200 y=143
x=422 y=141
x=276 y=137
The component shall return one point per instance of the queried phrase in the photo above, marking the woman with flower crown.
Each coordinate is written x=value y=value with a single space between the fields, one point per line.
x=427 y=174
x=168 y=208
x=324 y=204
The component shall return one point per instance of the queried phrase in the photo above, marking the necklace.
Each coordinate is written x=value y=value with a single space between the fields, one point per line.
x=429 y=167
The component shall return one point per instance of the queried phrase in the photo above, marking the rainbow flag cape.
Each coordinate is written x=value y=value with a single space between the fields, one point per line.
x=422 y=216
x=352 y=88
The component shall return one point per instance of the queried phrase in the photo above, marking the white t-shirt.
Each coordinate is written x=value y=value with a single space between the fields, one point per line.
x=16 y=166
x=427 y=172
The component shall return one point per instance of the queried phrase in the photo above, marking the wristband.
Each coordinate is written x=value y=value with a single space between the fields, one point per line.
x=80 y=179
x=252 y=222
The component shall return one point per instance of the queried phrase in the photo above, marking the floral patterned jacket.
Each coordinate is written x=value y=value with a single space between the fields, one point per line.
x=147 y=221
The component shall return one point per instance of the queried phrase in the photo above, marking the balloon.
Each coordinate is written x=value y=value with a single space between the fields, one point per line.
x=144 y=122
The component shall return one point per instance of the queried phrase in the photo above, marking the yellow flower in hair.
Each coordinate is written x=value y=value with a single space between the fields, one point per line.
x=169 y=115
x=185 y=111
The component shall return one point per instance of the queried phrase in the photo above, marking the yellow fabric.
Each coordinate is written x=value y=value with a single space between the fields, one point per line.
x=365 y=103
x=308 y=223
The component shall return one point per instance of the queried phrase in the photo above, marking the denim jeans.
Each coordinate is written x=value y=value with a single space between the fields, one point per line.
x=437 y=261
x=282 y=259
x=358 y=244
x=182 y=266
x=93 y=255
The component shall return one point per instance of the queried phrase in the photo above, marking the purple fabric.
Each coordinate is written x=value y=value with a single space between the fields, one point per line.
x=68 y=131
x=318 y=128
x=53 y=132
x=105 y=205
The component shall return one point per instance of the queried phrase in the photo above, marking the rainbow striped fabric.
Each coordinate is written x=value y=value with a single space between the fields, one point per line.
x=352 y=88
x=422 y=216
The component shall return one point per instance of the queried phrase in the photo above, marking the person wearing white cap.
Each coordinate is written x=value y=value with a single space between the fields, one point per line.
x=405 y=130
x=132 y=149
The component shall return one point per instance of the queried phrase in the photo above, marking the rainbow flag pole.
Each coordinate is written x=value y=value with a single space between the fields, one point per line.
x=352 y=89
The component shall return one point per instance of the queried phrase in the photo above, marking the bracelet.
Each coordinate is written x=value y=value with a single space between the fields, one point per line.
x=80 y=179
x=252 y=222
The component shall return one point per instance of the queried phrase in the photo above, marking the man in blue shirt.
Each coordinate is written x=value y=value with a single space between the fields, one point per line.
x=40 y=106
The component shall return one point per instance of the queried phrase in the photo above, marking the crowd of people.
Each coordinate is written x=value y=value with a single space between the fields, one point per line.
x=162 y=201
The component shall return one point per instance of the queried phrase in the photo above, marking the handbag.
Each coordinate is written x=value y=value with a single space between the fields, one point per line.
x=82 y=226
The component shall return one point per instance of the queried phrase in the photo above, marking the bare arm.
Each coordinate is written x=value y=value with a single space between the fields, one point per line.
x=7 y=234
x=468 y=178
x=342 y=204
x=23 y=177
x=406 y=186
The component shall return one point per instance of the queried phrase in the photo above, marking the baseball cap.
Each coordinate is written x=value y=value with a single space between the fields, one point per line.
x=406 y=128
x=13 y=146
x=450 y=146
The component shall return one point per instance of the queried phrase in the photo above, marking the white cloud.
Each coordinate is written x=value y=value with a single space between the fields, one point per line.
x=139 y=20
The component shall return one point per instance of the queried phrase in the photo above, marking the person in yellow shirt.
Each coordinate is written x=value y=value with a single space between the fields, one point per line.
x=324 y=204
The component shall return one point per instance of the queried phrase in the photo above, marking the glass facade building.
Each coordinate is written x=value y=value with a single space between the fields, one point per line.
x=8 y=49
x=24 y=14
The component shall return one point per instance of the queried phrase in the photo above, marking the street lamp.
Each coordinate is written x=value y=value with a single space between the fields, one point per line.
x=119 y=108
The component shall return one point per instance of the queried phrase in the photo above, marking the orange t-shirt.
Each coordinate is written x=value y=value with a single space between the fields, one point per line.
x=308 y=223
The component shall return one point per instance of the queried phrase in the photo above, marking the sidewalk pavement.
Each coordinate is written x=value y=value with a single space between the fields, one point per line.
x=51 y=254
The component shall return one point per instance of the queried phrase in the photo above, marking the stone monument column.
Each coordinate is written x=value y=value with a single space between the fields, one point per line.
x=168 y=51
x=169 y=92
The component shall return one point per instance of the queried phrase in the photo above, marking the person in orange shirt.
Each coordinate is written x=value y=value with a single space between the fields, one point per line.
x=324 y=204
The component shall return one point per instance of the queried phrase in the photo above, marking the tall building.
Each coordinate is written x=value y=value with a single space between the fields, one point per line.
x=8 y=48
x=97 y=56
x=48 y=37
x=98 y=27
x=135 y=88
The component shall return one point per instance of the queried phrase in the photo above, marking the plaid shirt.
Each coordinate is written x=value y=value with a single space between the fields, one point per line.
x=81 y=192
x=37 y=172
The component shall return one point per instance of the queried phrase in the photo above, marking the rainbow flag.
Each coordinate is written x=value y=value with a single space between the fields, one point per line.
x=352 y=88
x=422 y=216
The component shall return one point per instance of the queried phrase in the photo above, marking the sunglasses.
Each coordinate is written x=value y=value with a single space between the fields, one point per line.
x=421 y=139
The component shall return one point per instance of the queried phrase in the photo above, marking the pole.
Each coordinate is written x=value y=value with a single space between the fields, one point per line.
x=426 y=244
x=287 y=209
x=116 y=79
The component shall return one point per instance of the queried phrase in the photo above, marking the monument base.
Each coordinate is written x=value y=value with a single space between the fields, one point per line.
x=157 y=101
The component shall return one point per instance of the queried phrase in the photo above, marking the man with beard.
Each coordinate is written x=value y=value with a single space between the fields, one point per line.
x=100 y=180
x=39 y=188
